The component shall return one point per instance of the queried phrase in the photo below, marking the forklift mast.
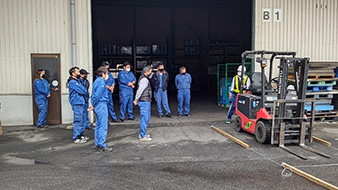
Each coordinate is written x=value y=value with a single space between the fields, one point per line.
x=263 y=62
x=300 y=84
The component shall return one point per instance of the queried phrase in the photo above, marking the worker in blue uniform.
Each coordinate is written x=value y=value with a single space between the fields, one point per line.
x=42 y=93
x=99 y=100
x=84 y=81
x=183 y=83
x=126 y=81
x=143 y=100
x=235 y=89
x=110 y=83
x=77 y=94
x=160 y=81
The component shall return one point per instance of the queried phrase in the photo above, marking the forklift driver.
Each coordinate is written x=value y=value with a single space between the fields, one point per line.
x=235 y=88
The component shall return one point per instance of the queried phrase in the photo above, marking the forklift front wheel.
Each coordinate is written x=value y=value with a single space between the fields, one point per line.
x=263 y=132
x=238 y=125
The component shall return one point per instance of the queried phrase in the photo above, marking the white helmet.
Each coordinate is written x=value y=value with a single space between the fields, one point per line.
x=240 y=68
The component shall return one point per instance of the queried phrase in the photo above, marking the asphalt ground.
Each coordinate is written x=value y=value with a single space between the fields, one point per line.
x=185 y=154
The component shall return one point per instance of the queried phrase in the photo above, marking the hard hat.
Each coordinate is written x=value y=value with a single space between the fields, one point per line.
x=240 y=68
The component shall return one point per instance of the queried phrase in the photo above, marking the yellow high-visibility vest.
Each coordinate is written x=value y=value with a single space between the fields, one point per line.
x=236 y=89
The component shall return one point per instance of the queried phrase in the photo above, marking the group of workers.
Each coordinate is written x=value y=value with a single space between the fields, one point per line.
x=101 y=97
x=102 y=104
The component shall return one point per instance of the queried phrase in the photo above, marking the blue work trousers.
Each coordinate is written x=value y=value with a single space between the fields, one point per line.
x=111 y=107
x=145 y=112
x=161 y=98
x=80 y=112
x=126 y=103
x=87 y=123
x=101 y=128
x=42 y=104
x=183 y=98
x=232 y=108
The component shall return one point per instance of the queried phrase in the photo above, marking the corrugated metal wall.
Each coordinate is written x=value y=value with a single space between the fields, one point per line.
x=40 y=26
x=309 y=27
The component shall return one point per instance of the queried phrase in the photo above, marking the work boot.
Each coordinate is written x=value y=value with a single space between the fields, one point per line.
x=84 y=138
x=133 y=118
x=139 y=136
x=169 y=115
x=145 y=139
x=115 y=121
x=79 y=141
x=43 y=126
x=104 y=149
x=187 y=115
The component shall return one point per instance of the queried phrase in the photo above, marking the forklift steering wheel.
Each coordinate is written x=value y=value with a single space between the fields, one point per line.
x=275 y=80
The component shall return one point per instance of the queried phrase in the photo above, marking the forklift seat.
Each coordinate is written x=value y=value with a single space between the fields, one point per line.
x=256 y=83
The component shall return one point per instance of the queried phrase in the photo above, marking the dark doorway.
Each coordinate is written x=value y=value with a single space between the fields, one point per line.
x=198 y=34
x=51 y=64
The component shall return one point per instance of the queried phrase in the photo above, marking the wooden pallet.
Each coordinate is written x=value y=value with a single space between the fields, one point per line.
x=320 y=76
x=326 y=116
x=309 y=80
x=316 y=76
x=315 y=71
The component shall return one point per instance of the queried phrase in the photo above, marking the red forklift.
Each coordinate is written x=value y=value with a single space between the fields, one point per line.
x=274 y=109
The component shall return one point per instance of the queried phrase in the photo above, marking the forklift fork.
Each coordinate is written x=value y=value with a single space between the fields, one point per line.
x=281 y=142
x=302 y=132
x=302 y=142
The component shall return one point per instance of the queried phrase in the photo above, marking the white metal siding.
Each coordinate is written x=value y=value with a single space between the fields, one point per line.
x=309 y=27
x=40 y=26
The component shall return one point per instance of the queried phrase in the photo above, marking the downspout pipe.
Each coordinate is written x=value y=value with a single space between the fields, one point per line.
x=73 y=29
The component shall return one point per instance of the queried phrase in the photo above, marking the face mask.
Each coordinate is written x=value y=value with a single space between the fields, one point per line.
x=107 y=77
x=161 y=70
x=150 y=75
x=85 y=77
x=127 y=69
x=78 y=76
x=182 y=73
x=43 y=76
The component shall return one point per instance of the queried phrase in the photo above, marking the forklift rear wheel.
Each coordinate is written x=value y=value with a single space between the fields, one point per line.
x=238 y=125
x=263 y=132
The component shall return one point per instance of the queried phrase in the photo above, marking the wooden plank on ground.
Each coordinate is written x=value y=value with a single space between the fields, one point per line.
x=309 y=177
x=1 y=130
x=317 y=139
x=236 y=140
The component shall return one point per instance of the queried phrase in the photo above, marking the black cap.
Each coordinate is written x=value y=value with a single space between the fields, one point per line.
x=83 y=72
x=126 y=63
x=104 y=63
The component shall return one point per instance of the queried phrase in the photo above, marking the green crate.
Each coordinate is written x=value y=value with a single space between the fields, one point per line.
x=225 y=73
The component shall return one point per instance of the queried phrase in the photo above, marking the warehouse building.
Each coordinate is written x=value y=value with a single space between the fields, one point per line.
x=57 y=34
